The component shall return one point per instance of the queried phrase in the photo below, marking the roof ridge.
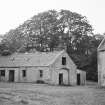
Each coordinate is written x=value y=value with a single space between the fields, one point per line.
x=39 y=52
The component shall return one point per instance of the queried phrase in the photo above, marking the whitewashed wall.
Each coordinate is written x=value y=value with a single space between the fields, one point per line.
x=57 y=66
x=33 y=74
x=101 y=68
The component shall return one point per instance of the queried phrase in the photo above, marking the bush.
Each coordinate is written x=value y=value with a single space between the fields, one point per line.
x=40 y=81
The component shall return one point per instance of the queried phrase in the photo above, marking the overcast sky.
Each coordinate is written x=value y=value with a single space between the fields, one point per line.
x=15 y=12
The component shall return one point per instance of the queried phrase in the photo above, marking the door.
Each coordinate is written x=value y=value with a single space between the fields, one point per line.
x=78 y=79
x=11 y=75
x=60 y=78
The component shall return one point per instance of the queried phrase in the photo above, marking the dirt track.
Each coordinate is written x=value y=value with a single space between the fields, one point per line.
x=41 y=94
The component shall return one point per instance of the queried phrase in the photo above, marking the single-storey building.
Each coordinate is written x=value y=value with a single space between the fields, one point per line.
x=81 y=77
x=51 y=67
x=101 y=63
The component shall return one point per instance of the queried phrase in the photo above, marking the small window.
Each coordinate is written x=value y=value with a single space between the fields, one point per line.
x=63 y=60
x=24 y=73
x=41 y=73
x=2 y=72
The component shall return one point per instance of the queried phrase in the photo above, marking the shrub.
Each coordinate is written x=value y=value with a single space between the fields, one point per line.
x=40 y=81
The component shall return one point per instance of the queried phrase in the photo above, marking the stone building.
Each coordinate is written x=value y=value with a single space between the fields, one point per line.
x=50 y=67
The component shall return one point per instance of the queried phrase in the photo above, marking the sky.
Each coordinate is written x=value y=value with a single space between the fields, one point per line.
x=15 y=12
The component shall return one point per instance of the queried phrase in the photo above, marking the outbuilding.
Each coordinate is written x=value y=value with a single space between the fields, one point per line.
x=81 y=77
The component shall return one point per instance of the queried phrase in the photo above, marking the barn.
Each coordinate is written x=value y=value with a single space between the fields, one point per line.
x=55 y=68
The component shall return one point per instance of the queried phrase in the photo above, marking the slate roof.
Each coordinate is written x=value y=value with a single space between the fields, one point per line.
x=101 y=46
x=29 y=59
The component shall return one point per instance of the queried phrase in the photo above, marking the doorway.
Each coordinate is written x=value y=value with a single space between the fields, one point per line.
x=60 y=78
x=11 y=75
x=78 y=79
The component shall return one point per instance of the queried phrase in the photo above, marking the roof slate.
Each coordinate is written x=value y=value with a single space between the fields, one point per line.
x=29 y=59
x=102 y=45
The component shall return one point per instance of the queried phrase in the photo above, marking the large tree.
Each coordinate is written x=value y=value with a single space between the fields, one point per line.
x=48 y=29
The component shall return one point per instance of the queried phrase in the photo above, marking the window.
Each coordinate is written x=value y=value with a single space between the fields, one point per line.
x=24 y=73
x=2 y=72
x=63 y=60
x=41 y=73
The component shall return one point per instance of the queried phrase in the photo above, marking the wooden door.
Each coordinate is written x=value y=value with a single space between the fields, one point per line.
x=60 y=78
x=11 y=75
x=78 y=79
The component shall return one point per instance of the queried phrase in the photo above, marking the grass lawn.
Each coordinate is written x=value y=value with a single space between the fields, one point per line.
x=42 y=94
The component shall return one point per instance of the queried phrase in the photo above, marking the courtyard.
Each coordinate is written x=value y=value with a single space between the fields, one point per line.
x=43 y=94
